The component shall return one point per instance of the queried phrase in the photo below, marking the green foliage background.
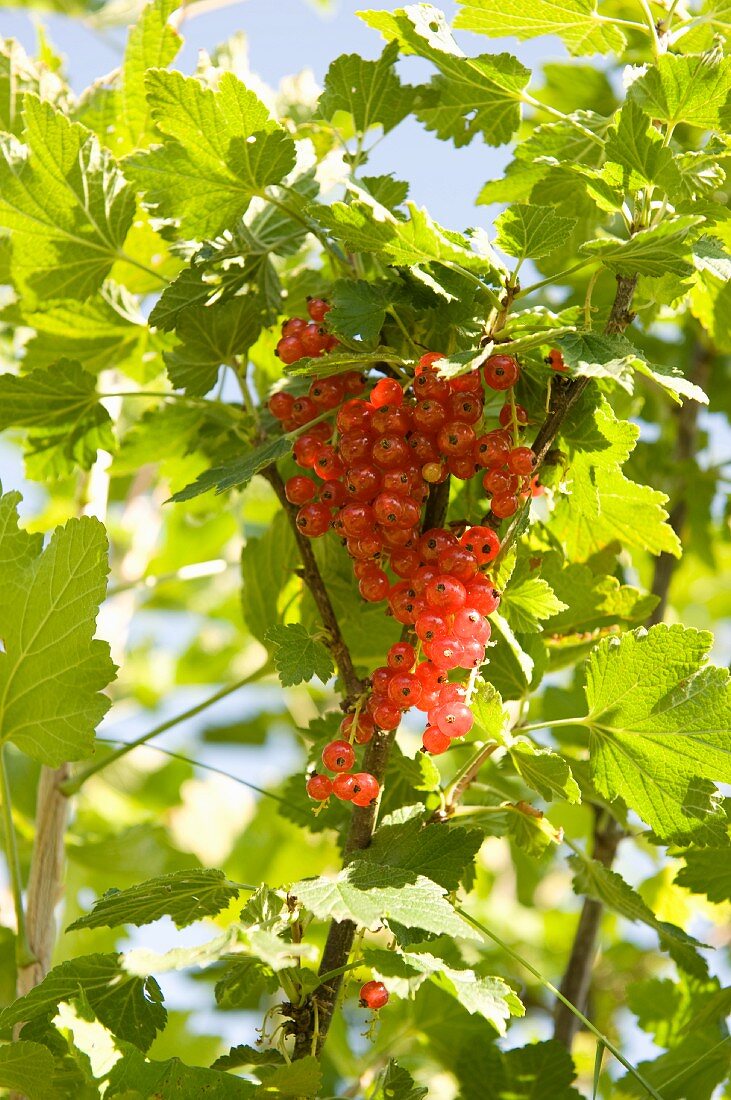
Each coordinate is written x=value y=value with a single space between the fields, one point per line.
x=154 y=232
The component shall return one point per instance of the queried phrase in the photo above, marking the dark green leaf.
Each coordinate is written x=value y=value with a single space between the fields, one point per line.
x=186 y=896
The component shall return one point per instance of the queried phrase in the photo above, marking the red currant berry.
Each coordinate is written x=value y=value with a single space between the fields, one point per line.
x=280 y=405
x=299 y=489
x=333 y=493
x=473 y=654
x=313 y=340
x=556 y=360
x=483 y=542
x=327 y=393
x=423 y=448
x=386 y=715
x=343 y=786
x=353 y=381
x=429 y=416
x=319 y=787
x=354 y=414
x=444 y=652
x=317 y=308
x=462 y=466
x=506 y=415
x=459 y=562
x=434 y=542
x=380 y=679
x=466 y=407
x=501 y=372
x=290 y=349
x=466 y=383
x=293 y=326
x=390 y=451
x=338 y=756
x=362 y=482
x=313 y=519
x=500 y=481
x=328 y=463
x=404 y=562
x=429 y=625
x=355 y=447
x=361 y=731
x=504 y=505
x=456 y=438
x=365 y=790
x=469 y=624
x=434 y=741
x=521 y=460
x=454 y=719
x=482 y=595
x=374 y=586
x=401 y=655
x=387 y=391
x=492 y=449
x=304 y=410
x=404 y=690
x=429 y=675
x=391 y=420
x=373 y=995
x=445 y=593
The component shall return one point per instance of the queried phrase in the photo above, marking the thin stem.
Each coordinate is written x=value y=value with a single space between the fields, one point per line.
x=587 y=299
x=557 y=993
x=308 y=225
x=549 y=723
x=23 y=954
x=313 y=579
x=553 y=278
x=464 y=777
x=528 y=99
x=75 y=783
x=122 y=255
x=215 y=771
x=652 y=28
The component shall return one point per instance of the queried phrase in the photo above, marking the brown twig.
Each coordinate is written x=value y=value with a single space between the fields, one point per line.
x=577 y=976
x=362 y=824
x=313 y=579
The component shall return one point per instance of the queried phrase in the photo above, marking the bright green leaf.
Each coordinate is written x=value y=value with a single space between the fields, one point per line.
x=185 y=896
x=297 y=655
x=369 y=91
x=575 y=22
x=529 y=232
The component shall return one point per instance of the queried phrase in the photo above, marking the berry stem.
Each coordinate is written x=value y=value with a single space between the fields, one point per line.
x=313 y=579
x=466 y=775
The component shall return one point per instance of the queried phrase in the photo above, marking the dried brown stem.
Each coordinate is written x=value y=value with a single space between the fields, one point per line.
x=577 y=977
x=313 y=579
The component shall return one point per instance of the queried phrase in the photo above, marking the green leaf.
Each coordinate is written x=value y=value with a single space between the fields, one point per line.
x=592 y=601
x=489 y=712
x=236 y=474
x=596 y=355
x=533 y=1071
x=212 y=336
x=142 y=960
x=186 y=896
x=396 y=1084
x=241 y=1056
x=369 y=893
x=659 y=721
x=20 y=73
x=131 y=1007
x=65 y=203
x=529 y=232
x=470 y=95
x=369 y=91
x=297 y=655
x=654 y=252
x=27 y=1068
x=707 y=871
x=602 y=505
x=442 y=854
x=637 y=147
x=691 y=89
x=60 y=407
x=220 y=149
x=267 y=567
x=339 y=362
x=528 y=599
x=358 y=310
x=594 y=880
x=134 y=1078
x=544 y=771
x=301 y=1079
x=370 y=227
x=51 y=669
x=575 y=22
x=105 y=331
x=152 y=43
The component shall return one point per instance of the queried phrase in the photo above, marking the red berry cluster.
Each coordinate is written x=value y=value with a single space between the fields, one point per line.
x=302 y=338
x=373 y=478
